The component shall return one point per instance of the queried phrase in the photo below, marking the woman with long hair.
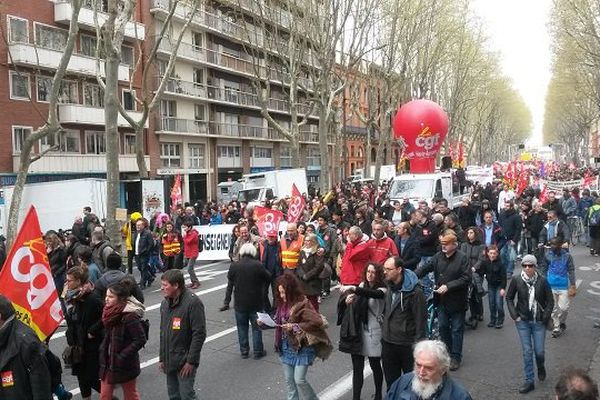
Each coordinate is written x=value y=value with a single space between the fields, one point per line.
x=310 y=267
x=84 y=329
x=300 y=336
x=364 y=305
x=123 y=339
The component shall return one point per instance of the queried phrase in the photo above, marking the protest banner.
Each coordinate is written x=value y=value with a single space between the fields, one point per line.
x=296 y=206
x=267 y=220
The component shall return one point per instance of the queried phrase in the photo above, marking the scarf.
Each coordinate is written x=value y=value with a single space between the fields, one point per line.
x=530 y=282
x=74 y=295
x=111 y=315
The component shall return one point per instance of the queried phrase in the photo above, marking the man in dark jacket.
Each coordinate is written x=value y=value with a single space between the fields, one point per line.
x=247 y=279
x=101 y=248
x=182 y=335
x=452 y=277
x=552 y=204
x=404 y=319
x=114 y=274
x=23 y=366
x=270 y=257
x=511 y=224
x=426 y=233
x=466 y=214
x=142 y=243
x=407 y=246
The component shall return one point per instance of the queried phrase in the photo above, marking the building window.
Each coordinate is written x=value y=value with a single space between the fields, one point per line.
x=50 y=37
x=20 y=133
x=313 y=157
x=93 y=95
x=69 y=92
x=88 y=45
x=19 y=86
x=69 y=142
x=170 y=155
x=127 y=56
x=168 y=108
x=129 y=143
x=197 y=152
x=262 y=152
x=351 y=151
x=18 y=30
x=129 y=100
x=198 y=76
x=95 y=143
x=199 y=112
x=197 y=41
x=228 y=151
x=285 y=155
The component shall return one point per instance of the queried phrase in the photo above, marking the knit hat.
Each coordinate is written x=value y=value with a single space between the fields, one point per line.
x=529 y=259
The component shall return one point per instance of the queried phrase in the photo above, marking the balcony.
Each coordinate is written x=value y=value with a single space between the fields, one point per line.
x=219 y=129
x=29 y=55
x=75 y=162
x=189 y=51
x=182 y=126
x=63 y=11
x=185 y=88
x=87 y=115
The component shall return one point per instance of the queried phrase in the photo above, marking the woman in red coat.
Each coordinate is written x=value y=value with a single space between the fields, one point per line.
x=190 y=252
x=124 y=337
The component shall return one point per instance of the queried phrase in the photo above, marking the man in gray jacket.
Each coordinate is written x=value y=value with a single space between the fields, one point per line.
x=182 y=334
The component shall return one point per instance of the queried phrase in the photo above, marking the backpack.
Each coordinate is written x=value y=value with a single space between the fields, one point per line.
x=594 y=219
x=103 y=254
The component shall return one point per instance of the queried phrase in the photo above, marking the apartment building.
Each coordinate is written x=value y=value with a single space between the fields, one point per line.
x=36 y=33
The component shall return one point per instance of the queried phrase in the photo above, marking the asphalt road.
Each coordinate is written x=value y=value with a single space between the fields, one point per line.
x=492 y=363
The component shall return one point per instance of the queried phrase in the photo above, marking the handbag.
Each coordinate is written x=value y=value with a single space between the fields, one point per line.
x=549 y=323
x=72 y=355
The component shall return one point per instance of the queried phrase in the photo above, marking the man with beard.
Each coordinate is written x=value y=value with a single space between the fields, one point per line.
x=430 y=378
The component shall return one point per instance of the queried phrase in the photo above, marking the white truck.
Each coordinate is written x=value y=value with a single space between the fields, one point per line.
x=228 y=191
x=263 y=186
x=58 y=203
x=415 y=187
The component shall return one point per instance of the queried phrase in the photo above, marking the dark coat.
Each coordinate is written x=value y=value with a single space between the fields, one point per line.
x=145 y=245
x=309 y=269
x=543 y=295
x=475 y=253
x=57 y=259
x=410 y=255
x=535 y=223
x=561 y=232
x=451 y=390
x=119 y=357
x=23 y=356
x=497 y=235
x=350 y=327
x=495 y=272
x=511 y=224
x=454 y=272
x=247 y=279
x=427 y=238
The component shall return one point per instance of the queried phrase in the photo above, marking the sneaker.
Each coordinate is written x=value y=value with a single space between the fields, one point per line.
x=491 y=325
x=498 y=326
x=526 y=387
x=195 y=285
x=244 y=355
x=541 y=373
x=556 y=333
x=454 y=365
x=258 y=356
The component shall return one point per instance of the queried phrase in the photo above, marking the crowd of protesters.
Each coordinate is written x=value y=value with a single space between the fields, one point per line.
x=391 y=259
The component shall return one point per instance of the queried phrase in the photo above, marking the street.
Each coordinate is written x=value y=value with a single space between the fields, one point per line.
x=491 y=369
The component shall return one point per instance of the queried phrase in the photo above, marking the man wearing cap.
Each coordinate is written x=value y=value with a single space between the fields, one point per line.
x=531 y=312
x=452 y=277
x=23 y=366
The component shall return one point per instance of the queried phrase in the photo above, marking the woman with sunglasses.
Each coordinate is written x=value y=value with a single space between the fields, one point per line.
x=531 y=313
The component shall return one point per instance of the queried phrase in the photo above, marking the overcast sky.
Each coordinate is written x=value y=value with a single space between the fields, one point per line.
x=517 y=28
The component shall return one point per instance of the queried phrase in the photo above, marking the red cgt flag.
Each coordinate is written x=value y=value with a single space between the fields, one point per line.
x=296 y=206
x=176 y=198
x=267 y=220
x=27 y=281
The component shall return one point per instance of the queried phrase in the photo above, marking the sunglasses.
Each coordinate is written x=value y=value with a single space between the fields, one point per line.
x=527 y=265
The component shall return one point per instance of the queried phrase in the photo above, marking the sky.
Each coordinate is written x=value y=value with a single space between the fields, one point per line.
x=517 y=29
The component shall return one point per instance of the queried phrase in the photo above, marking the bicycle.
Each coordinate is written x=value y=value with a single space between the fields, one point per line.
x=576 y=229
x=433 y=330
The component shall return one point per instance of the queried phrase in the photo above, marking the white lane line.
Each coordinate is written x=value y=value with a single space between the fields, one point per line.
x=341 y=386
x=578 y=282
x=155 y=306
x=154 y=360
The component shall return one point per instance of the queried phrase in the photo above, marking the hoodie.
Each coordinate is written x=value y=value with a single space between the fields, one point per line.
x=405 y=312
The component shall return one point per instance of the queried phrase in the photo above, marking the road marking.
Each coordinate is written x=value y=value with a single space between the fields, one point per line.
x=578 y=282
x=154 y=360
x=341 y=386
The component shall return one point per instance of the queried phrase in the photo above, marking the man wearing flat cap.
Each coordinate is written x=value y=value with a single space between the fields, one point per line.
x=452 y=276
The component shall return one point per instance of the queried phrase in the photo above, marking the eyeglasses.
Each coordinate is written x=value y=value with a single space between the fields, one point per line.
x=527 y=265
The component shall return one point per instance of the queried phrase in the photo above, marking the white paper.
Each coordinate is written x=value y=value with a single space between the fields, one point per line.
x=266 y=319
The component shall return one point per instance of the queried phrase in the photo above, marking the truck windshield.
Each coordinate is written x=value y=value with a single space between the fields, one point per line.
x=412 y=189
x=249 y=195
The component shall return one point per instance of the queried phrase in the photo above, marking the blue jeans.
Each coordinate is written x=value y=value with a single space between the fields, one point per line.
x=533 y=336
x=242 y=319
x=180 y=388
x=508 y=255
x=452 y=329
x=295 y=377
x=144 y=267
x=496 y=305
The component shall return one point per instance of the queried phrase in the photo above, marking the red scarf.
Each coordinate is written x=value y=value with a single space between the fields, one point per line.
x=111 y=315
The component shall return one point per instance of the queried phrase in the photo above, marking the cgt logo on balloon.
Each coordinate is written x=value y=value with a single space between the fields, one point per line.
x=428 y=140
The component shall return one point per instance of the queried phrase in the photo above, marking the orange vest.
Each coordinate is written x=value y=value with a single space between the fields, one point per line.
x=290 y=256
x=171 y=248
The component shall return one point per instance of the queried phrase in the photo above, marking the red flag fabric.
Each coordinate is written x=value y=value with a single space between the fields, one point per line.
x=267 y=220
x=543 y=195
x=296 y=206
x=27 y=281
x=176 y=197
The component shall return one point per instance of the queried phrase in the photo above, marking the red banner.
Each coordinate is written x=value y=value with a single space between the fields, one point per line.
x=267 y=220
x=296 y=206
x=27 y=281
x=176 y=198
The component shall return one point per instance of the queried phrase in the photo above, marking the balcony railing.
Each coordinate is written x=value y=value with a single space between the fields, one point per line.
x=88 y=115
x=186 y=88
x=172 y=124
x=241 y=131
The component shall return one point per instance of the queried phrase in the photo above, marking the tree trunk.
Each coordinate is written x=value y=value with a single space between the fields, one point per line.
x=139 y=151
x=323 y=148
x=17 y=196
x=384 y=134
x=367 y=168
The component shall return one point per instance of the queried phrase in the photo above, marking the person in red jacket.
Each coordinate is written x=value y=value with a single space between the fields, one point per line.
x=190 y=251
x=381 y=247
x=355 y=258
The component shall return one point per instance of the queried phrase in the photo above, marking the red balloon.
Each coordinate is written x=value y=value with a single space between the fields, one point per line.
x=423 y=125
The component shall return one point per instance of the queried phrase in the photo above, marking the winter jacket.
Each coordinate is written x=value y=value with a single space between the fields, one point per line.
x=404 y=312
x=569 y=206
x=270 y=257
x=410 y=254
x=427 y=237
x=497 y=235
x=495 y=272
x=119 y=357
x=454 y=272
x=466 y=216
x=543 y=296
x=511 y=224
x=145 y=244
x=23 y=366
x=555 y=206
x=561 y=231
x=350 y=326
x=475 y=253
x=247 y=279
x=584 y=204
x=560 y=270
x=354 y=261
x=182 y=331
x=401 y=389
x=57 y=258
x=535 y=223
x=308 y=271
x=113 y=276
x=190 y=244
x=100 y=252
x=381 y=249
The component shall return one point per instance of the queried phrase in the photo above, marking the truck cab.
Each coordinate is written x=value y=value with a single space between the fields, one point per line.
x=415 y=187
